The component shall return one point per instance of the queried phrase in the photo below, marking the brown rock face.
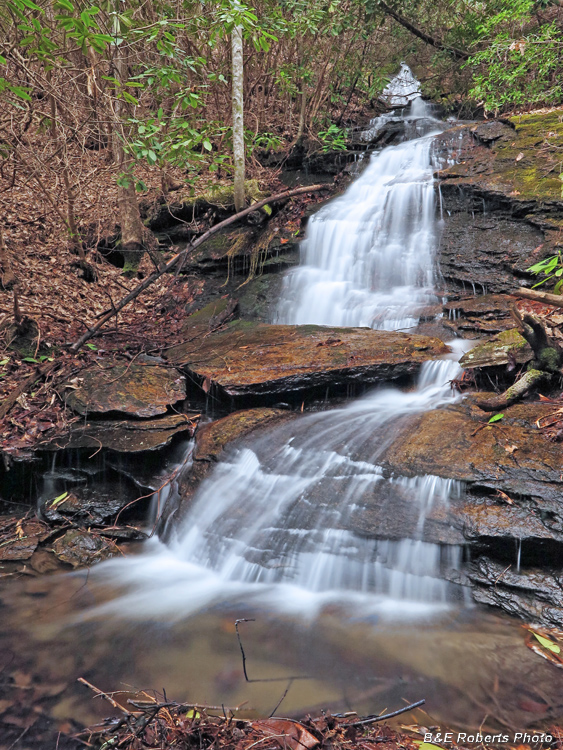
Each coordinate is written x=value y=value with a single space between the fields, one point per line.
x=259 y=360
x=141 y=390
x=501 y=200
x=125 y=435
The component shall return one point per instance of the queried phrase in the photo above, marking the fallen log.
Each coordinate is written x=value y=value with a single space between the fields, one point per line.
x=527 y=383
x=555 y=300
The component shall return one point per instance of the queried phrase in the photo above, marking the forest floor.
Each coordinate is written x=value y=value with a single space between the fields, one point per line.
x=151 y=721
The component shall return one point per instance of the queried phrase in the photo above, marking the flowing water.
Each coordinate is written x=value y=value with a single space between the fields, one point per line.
x=278 y=513
x=276 y=533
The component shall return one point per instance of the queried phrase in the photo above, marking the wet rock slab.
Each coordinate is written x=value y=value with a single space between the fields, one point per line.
x=511 y=455
x=212 y=439
x=125 y=436
x=140 y=389
x=535 y=595
x=258 y=360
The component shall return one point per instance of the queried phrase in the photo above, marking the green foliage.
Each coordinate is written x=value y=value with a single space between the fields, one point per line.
x=267 y=142
x=547 y=643
x=551 y=268
x=59 y=499
x=519 y=60
x=333 y=138
x=496 y=418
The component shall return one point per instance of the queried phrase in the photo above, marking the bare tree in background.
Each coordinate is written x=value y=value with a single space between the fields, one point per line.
x=238 y=113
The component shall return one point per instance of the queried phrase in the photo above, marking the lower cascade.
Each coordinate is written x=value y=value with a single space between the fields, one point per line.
x=276 y=519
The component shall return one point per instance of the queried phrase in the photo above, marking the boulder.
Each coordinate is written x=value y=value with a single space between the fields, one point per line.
x=269 y=361
x=140 y=389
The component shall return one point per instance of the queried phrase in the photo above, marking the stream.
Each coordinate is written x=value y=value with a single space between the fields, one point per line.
x=274 y=534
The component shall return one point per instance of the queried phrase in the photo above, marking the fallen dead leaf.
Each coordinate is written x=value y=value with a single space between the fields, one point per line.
x=286 y=733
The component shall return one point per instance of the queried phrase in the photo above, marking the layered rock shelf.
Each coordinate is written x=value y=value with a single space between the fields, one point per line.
x=253 y=360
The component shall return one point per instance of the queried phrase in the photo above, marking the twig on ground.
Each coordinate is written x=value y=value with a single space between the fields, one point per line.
x=383 y=717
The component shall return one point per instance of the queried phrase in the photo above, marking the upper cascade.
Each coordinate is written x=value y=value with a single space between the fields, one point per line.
x=402 y=89
x=369 y=256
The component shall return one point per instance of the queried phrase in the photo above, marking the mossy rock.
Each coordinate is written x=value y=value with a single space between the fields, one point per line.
x=224 y=247
x=519 y=158
x=498 y=351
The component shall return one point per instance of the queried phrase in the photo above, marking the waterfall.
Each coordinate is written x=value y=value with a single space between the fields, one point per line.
x=276 y=520
x=369 y=256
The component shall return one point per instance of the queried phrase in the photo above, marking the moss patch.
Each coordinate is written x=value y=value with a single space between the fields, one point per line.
x=523 y=161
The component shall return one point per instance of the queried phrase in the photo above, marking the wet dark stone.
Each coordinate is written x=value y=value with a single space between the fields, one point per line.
x=483 y=249
x=82 y=549
x=124 y=436
x=473 y=317
x=534 y=595
x=93 y=504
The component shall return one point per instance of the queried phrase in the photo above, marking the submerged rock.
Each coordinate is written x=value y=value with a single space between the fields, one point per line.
x=142 y=389
x=263 y=361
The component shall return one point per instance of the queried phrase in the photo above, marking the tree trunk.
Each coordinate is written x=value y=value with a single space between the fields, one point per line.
x=303 y=106
x=132 y=247
x=238 y=116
